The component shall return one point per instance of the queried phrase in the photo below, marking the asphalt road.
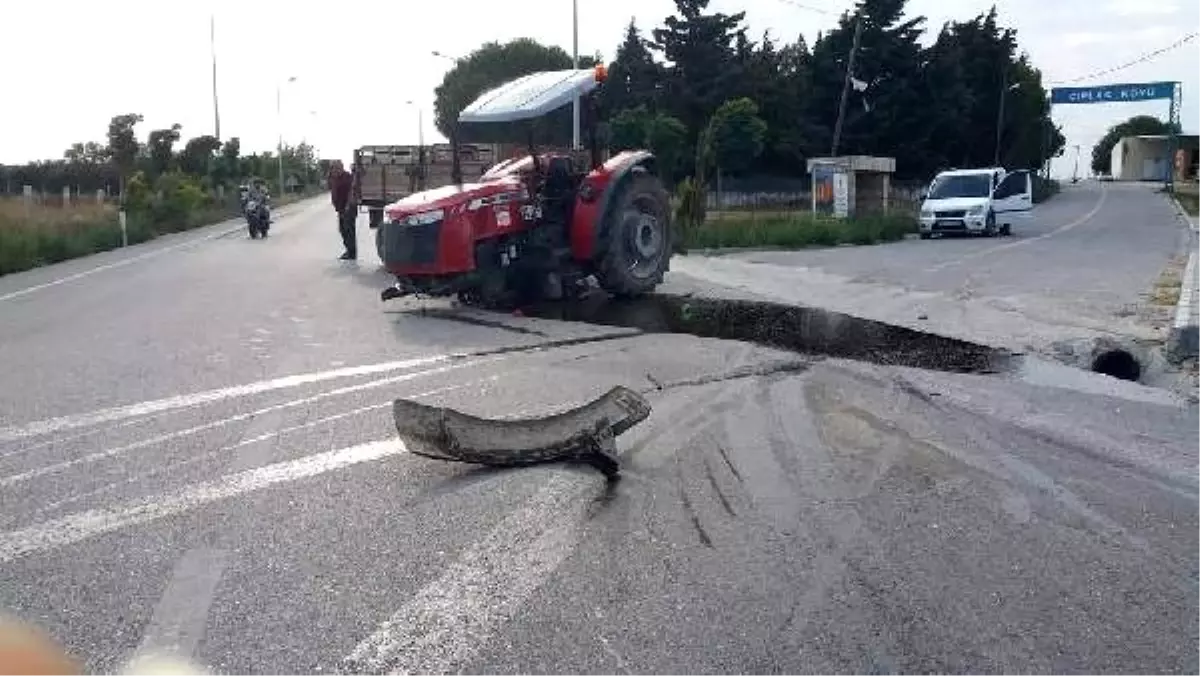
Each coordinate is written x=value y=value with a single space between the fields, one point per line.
x=1096 y=245
x=196 y=455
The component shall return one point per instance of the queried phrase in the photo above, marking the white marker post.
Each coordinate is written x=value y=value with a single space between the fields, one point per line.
x=124 y=230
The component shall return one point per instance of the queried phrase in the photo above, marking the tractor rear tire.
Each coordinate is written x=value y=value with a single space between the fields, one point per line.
x=637 y=246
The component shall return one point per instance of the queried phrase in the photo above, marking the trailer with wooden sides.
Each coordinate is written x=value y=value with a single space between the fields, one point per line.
x=385 y=174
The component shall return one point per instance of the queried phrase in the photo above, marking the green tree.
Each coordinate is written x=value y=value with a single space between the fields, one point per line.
x=891 y=116
x=634 y=77
x=86 y=153
x=1137 y=125
x=667 y=138
x=490 y=66
x=231 y=159
x=736 y=135
x=627 y=129
x=967 y=67
x=704 y=67
x=160 y=148
x=198 y=154
x=123 y=146
x=663 y=135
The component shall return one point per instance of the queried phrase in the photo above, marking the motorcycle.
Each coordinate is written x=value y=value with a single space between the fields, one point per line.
x=258 y=215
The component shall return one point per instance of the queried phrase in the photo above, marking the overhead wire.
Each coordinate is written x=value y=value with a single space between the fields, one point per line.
x=1141 y=59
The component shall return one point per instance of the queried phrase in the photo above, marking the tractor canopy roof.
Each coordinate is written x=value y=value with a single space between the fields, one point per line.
x=537 y=104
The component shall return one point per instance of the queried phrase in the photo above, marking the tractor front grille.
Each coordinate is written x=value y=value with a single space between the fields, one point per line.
x=411 y=244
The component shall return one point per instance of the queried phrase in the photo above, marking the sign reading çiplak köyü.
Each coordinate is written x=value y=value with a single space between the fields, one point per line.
x=1115 y=93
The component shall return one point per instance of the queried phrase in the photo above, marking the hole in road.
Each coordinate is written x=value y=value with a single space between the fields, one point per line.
x=1118 y=364
x=797 y=328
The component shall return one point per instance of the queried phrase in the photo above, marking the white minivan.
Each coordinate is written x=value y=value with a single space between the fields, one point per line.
x=976 y=201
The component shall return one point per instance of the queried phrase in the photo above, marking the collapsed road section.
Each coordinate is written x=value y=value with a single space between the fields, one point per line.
x=586 y=433
x=807 y=330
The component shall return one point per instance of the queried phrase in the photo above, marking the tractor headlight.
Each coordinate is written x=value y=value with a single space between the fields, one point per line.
x=425 y=218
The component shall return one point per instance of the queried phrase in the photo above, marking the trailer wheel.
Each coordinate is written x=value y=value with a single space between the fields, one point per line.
x=638 y=241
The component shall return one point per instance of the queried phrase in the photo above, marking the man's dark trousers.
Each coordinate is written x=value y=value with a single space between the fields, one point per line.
x=347 y=219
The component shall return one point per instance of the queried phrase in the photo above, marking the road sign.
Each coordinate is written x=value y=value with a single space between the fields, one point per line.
x=1116 y=93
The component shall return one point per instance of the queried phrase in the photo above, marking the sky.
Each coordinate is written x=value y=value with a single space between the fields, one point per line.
x=364 y=71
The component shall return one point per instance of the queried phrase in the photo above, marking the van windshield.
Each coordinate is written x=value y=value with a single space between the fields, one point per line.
x=965 y=185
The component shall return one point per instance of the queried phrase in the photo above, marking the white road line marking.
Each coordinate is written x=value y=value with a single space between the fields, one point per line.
x=188 y=400
x=177 y=625
x=76 y=497
x=110 y=266
x=1021 y=242
x=83 y=525
x=127 y=261
x=144 y=443
x=442 y=627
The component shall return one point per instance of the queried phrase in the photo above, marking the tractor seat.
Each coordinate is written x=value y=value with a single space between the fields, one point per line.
x=560 y=178
x=558 y=191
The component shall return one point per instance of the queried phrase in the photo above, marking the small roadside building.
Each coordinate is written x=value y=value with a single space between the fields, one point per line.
x=1148 y=158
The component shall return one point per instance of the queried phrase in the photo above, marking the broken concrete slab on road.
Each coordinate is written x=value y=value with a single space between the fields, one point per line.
x=843 y=515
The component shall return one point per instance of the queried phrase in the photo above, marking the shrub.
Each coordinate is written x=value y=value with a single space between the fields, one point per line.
x=799 y=230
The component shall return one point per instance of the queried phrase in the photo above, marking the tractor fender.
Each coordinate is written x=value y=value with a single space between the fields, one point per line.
x=591 y=221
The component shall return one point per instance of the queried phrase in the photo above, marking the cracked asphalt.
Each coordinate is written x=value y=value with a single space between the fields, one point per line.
x=197 y=456
x=1083 y=266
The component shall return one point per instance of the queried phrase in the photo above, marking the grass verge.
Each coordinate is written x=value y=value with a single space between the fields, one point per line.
x=1189 y=201
x=797 y=231
x=1169 y=285
x=35 y=235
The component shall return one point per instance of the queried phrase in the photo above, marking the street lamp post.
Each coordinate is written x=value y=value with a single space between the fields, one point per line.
x=420 y=123
x=279 y=121
x=575 y=65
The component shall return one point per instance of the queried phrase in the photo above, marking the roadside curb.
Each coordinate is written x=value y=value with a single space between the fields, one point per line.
x=1183 y=341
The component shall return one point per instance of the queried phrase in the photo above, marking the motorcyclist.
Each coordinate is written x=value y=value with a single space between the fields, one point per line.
x=258 y=192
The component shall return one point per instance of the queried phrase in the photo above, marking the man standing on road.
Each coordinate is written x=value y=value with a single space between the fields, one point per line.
x=341 y=191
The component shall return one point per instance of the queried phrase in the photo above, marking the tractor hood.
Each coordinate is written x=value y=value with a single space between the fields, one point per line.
x=447 y=197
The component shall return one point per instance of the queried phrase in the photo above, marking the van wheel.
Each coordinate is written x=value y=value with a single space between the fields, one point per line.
x=1006 y=230
x=925 y=235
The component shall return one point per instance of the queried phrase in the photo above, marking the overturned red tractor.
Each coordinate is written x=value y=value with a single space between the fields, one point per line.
x=535 y=227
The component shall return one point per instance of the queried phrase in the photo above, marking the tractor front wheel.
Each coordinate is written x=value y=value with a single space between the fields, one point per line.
x=637 y=244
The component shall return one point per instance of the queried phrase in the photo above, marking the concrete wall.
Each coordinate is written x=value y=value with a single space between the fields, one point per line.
x=1141 y=159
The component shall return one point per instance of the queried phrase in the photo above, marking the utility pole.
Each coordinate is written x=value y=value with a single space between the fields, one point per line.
x=575 y=65
x=837 y=127
x=1000 y=114
x=212 y=43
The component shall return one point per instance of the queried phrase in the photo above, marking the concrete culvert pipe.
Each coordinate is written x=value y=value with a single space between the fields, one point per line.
x=1118 y=364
